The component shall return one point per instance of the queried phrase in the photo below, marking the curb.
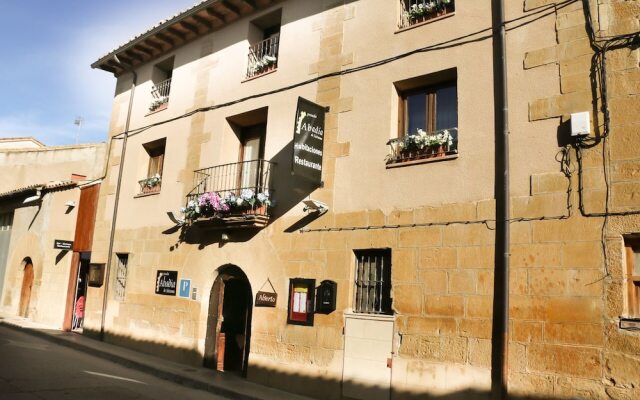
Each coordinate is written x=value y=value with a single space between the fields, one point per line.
x=127 y=362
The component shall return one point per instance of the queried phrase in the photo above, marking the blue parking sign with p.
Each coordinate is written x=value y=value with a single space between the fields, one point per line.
x=185 y=288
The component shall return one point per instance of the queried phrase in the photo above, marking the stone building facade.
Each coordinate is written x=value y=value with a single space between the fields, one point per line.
x=412 y=210
x=46 y=221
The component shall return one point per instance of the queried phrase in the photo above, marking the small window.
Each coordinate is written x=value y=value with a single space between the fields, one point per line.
x=264 y=36
x=161 y=78
x=153 y=181
x=121 y=276
x=414 y=12
x=633 y=276
x=6 y=221
x=427 y=122
x=372 y=293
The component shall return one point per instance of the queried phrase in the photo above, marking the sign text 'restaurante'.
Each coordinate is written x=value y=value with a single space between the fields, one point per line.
x=308 y=141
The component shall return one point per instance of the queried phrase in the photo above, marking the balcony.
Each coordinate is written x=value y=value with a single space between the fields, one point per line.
x=230 y=196
x=423 y=147
x=263 y=57
x=160 y=95
x=418 y=11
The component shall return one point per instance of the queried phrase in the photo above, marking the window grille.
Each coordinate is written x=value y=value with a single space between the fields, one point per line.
x=373 y=282
x=121 y=276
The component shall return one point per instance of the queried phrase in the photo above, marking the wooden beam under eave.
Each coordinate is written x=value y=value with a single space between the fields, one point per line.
x=264 y=3
x=229 y=9
x=108 y=68
x=175 y=32
x=216 y=16
x=243 y=7
x=190 y=27
x=141 y=49
x=154 y=45
x=203 y=21
x=133 y=54
x=166 y=39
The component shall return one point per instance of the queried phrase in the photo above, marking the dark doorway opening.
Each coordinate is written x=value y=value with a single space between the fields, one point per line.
x=80 y=297
x=27 y=285
x=229 y=322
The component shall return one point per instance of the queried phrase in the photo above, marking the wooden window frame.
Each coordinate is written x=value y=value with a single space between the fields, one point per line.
x=431 y=111
x=632 y=247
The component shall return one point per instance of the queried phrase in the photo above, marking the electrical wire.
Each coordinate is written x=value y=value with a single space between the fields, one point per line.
x=455 y=42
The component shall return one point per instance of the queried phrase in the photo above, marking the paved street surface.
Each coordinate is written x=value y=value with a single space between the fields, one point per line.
x=33 y=368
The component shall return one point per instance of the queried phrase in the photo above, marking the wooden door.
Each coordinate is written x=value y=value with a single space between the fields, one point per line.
x=25 y=293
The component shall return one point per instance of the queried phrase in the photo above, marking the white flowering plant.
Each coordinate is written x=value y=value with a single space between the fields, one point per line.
x=422 y=140
x=265 y=62
x=152 y=181
x=212 y=204
x=416 y=11
x=156 y=103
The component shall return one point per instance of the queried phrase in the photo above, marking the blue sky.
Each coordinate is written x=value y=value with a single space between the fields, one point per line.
x=47 y=48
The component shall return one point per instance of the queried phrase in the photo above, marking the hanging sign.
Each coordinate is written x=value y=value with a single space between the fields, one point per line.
x=266 y=299
x=166 y=282
x=308 y=141
x=62 y=244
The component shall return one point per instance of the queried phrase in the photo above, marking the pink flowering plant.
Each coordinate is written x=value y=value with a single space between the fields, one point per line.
x=212 y=204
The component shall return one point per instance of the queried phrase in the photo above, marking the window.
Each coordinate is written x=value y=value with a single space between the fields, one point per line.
x=372 y=293
x=153 y=182
x=633 y=276
x=414 y=12
x=6 y=221
x=264 y=33
x=121 y=276
x=427 y=119
x=161 y=78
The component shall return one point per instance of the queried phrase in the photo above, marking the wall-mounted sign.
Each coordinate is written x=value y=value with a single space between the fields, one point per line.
x=166 y=282
x=308 y=141
x=185 y=288
x=266 y=299
x=62 y=244
x=194 y=293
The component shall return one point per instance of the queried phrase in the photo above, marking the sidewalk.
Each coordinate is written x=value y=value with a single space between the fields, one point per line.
x=218 y=383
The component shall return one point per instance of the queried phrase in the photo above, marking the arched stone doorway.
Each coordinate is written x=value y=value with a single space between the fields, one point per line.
x=229 y=321
x=27 y=284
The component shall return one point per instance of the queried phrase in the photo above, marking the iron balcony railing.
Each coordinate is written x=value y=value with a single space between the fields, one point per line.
x=417 y=11
x=235 y=179
x=263 y=56
x=160 y=94
x=440 y=143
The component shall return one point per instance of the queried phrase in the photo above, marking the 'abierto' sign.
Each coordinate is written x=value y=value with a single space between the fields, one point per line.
x=308 y=141
x=266 y=299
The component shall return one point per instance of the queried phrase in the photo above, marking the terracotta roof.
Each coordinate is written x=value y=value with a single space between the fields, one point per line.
x=49 y=186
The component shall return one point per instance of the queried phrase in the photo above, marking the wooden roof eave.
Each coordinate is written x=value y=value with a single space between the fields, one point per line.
x=202 y=19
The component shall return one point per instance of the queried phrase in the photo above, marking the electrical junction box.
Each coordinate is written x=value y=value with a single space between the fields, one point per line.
x=580 y=124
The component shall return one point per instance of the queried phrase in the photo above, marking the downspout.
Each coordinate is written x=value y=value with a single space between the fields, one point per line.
x=500 y=327
x=117 y=198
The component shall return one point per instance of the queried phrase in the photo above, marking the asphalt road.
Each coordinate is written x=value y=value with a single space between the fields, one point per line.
x=33 y=368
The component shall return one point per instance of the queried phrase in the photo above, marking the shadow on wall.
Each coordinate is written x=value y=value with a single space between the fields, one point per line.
x=317 y=387
x=287 y=191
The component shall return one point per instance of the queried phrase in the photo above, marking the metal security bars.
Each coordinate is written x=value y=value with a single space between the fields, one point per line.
x=372 y=293
x=416 y=11
x=121 y=276
x=160 y=94
x=263 y=56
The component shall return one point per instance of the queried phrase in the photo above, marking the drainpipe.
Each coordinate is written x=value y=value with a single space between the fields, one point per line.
x=500 y=327
x=117 y=198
